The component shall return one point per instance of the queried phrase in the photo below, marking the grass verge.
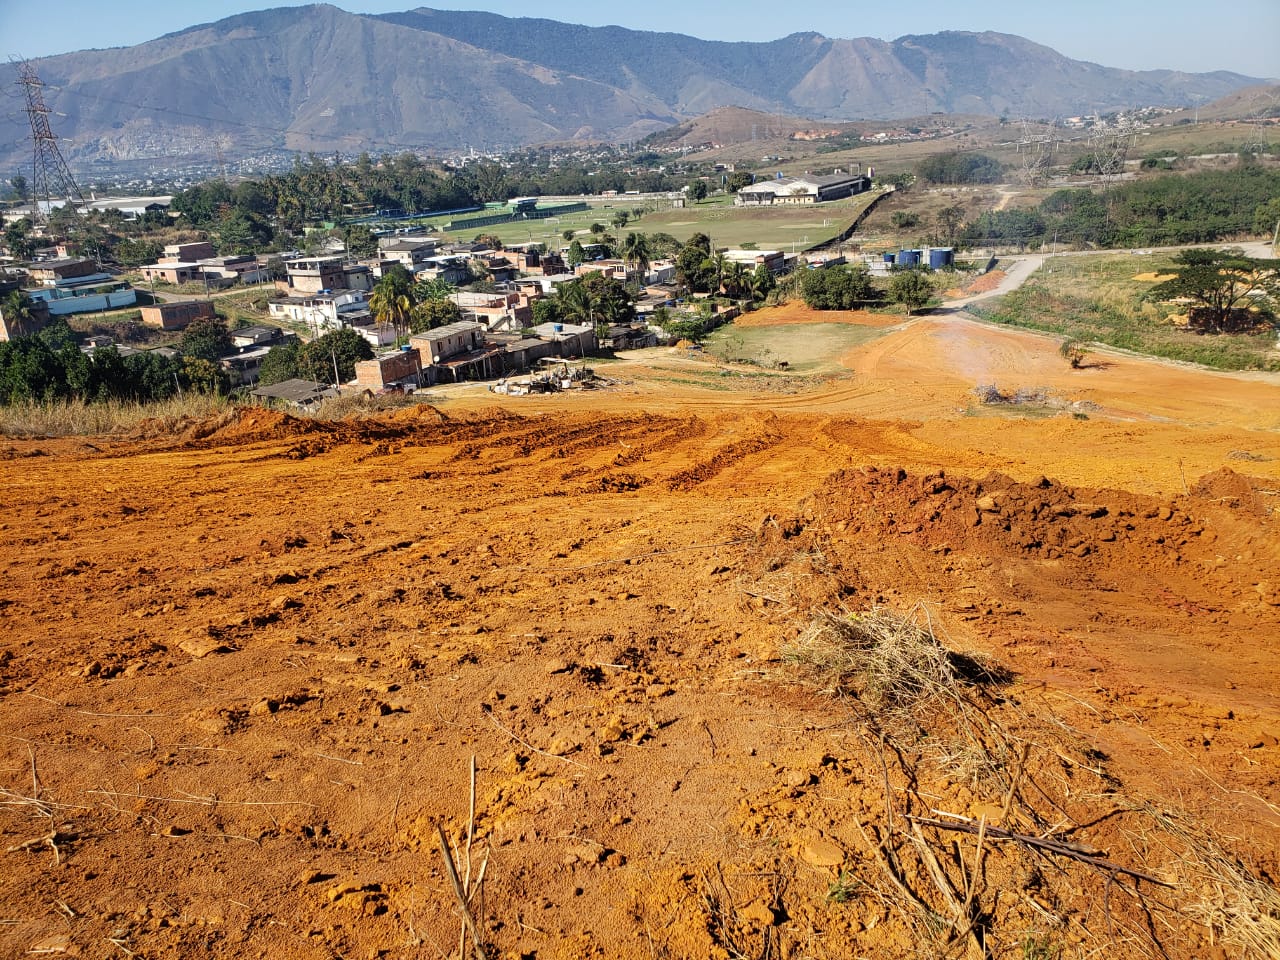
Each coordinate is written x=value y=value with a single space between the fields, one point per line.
x=1097 y=299
x=76 y=418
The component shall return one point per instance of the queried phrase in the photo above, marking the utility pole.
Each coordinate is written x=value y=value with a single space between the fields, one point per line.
x=49 y=168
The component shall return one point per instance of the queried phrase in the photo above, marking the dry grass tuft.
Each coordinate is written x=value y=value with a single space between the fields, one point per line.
x=363 y=405
x=1239 y=907
x=893 y=664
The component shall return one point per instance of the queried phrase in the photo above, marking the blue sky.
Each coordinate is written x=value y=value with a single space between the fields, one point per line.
x=1242 y=35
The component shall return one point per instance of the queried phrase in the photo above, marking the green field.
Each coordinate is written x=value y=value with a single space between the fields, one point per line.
x=769 y=228
x=807 y=348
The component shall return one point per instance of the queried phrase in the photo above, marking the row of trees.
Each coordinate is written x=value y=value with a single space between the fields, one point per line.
x=960 y=168
x=50 y=365
x=320 y=189
x=1160 y=211
x=851 y=288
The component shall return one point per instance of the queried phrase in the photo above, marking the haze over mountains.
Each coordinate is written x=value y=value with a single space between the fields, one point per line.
x=319 y=78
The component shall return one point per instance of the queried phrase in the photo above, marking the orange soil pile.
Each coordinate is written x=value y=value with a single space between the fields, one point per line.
x=244 y=667
x=987 y=282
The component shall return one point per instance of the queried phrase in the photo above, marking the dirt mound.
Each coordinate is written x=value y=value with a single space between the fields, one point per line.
x=998 y=515
x=1227 y=486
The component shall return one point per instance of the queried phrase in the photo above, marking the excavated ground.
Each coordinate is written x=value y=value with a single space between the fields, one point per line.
x=244 y=666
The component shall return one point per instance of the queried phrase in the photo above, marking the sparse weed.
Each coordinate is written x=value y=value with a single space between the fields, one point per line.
x=844 y=888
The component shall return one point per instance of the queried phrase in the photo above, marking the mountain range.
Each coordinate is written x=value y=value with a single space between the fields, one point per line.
x=319 y=78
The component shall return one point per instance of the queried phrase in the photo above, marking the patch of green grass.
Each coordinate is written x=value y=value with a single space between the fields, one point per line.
x=844 y=888
x=1096 y=299
x=806 y=348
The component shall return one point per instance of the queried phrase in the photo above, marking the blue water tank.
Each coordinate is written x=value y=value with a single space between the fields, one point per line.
x=558 y=327
x=940 y=257
x=888 y=257
x=908 y=258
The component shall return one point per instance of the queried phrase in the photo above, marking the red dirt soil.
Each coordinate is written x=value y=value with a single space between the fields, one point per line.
x=244 y=667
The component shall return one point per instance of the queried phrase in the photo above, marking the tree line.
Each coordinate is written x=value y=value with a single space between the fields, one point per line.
x=1162 y=211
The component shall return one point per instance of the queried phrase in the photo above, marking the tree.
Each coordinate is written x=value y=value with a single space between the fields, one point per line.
x=392 y=300
x=16 y=309
x=29 y=370
x=58 y=335
x=206 y=338
x=17 y=237
x=693 y=329
x=20 y=187
x=911 y=288
x=697 y=190
x=576 y=254
x=739 y=179
x=1223 y=286
x=620 y=219
x=763 y=282
x=280 y=364
x=568 y=235
x=836 y=288
x=546 y=310
x=138 y=253
x=429 y=314
x=360 y=241
x=433 y=289
x=948 y=221
x=341 y=349
x=635 y=250
x=595 y=300
x=960 y=168
x=597 y=228
x=690 y=270
x=204 y=376
x=1073 y=351
x=734 y=281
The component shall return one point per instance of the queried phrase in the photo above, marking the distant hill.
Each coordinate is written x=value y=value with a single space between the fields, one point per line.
x=725 y=125
x=318 y=78
x=1261 y=102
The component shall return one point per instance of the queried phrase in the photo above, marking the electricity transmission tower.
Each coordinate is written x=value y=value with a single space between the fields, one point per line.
x=1262 y=107
x=1035 y=150
x=1110 y=145
x=52 y=179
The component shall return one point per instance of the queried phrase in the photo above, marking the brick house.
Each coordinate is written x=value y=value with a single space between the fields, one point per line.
x=176 y=314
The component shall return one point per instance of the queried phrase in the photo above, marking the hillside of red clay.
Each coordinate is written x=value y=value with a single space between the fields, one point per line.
x=245 y=665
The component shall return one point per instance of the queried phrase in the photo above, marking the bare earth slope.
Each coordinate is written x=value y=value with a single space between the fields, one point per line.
x=243 y=671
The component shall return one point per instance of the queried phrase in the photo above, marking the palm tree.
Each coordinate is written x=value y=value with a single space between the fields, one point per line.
x=392 y=300
x=635 y=250
x=576 y=303
x=735 y=279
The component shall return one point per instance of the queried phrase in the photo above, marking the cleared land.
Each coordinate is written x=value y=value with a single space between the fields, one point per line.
x=245 y=662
